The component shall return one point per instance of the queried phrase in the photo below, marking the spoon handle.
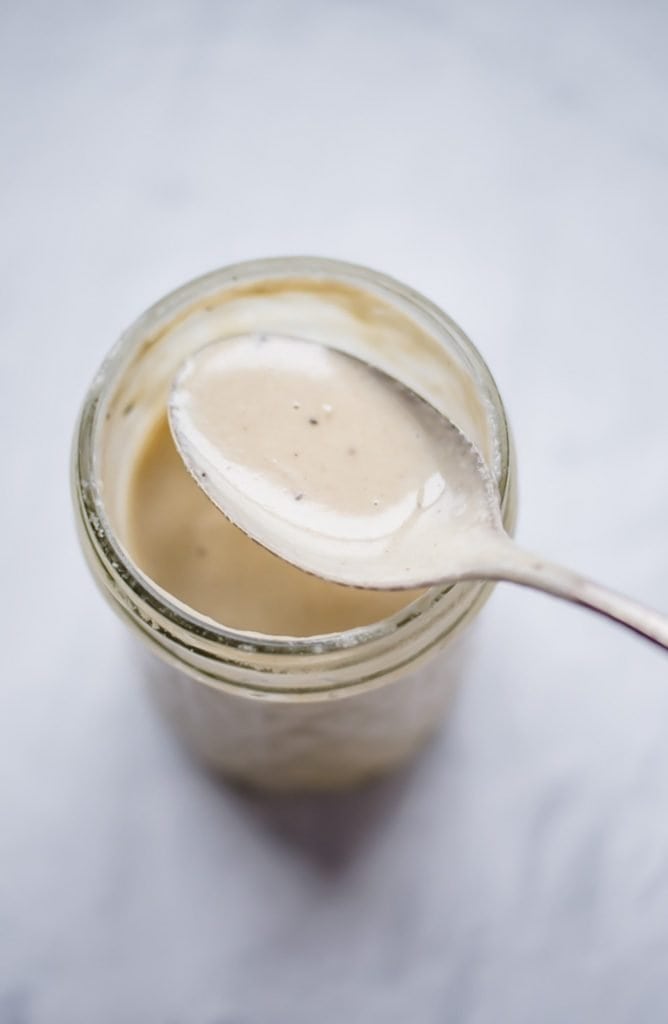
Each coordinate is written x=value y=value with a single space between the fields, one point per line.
x=516 y=565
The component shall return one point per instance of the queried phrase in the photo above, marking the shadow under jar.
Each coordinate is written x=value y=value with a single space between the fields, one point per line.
x=280 y=680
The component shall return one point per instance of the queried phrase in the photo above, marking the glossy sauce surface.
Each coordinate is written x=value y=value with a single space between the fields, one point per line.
x=332 y=464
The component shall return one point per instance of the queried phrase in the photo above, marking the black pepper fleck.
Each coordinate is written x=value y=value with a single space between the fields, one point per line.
x=313 y=421
x=298 y=497
x=128 y=408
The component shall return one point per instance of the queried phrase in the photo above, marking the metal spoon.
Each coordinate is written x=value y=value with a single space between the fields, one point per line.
x=238 y=427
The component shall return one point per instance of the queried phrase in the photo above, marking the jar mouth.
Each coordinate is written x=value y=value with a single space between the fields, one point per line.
x=158 y=610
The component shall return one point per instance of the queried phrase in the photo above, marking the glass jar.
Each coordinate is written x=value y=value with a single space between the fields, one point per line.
x=273 y=711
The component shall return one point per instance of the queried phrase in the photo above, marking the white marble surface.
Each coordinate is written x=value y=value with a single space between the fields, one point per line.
x=510 y=160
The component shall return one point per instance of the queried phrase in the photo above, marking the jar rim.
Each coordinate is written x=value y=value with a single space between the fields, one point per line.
x=154 y=609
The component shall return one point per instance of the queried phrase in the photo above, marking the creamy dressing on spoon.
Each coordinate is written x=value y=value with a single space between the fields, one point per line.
x=329 y=462
x=345 y=472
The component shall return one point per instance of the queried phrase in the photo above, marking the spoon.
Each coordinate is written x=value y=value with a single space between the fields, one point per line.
x=345 y=472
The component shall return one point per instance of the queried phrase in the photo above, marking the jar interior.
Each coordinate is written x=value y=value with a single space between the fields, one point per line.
x=165 y=524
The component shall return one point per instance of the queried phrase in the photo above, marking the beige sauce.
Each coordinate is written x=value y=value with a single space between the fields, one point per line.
x=332 y=465
x=182 y=542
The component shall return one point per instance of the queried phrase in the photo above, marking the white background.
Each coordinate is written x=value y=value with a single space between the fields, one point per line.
x=510 y=160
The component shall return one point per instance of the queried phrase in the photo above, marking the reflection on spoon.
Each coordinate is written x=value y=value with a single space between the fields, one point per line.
x=348 y=474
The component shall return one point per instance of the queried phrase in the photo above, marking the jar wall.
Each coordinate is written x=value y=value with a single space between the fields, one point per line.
x=310 y=742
